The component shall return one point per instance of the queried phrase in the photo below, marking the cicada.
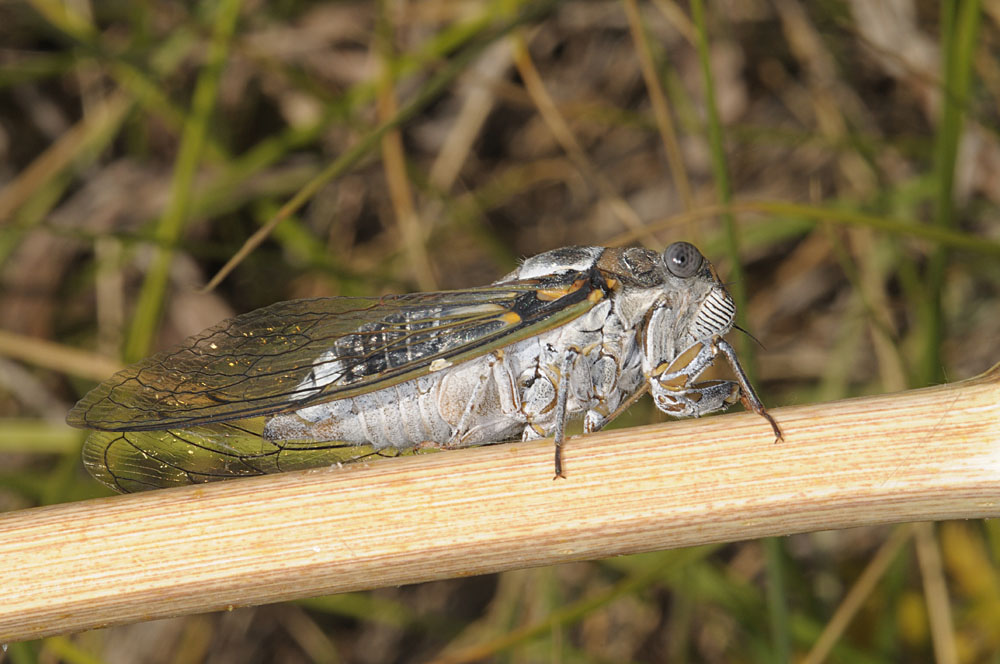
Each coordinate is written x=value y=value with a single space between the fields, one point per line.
x=578 y=332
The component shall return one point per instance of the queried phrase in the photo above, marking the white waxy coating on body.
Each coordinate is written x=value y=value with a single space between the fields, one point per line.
x=569 y=259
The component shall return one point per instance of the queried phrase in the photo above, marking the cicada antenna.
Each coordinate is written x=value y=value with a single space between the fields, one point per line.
x=737 y=327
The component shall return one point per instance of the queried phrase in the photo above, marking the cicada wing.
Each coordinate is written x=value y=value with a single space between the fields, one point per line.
x=300 y=352
x=130 y=461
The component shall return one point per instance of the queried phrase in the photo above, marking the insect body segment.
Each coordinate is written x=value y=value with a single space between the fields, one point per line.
x=578 y=332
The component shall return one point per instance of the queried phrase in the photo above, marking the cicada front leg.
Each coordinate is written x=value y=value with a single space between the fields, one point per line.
x=676 y=392
x=696 y=399
x=747 y=395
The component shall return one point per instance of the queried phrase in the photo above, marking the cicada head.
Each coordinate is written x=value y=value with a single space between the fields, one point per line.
x=685 y=312
x=675 y=297
x=709 y=310
x=683 y=299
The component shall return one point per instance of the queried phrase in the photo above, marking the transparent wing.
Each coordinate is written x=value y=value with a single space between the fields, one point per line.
x=130 y=461
x=301 y=352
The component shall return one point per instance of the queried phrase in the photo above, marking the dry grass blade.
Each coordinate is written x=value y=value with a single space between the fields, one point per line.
x=860 y=591
x=661 y=110
x=918 y=455
x=61 y=153
x=936 y=590
x=411 y=235
x=56 y=356
x=535 y=88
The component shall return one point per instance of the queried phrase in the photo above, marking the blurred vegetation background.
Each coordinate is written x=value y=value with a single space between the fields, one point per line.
x=838 y=161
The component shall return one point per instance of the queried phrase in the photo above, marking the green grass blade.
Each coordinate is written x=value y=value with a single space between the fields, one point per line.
x=149 y=306
x=960 y=26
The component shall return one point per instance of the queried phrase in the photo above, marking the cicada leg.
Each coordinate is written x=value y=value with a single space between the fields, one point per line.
x=666 y=379
x=476 y=404
x=562 y=397
x=676 y=394
x=698 y=399
x=543 y=402
x=747 y=395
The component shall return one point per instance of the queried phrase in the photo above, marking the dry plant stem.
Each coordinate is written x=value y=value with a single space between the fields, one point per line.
x=914 y=456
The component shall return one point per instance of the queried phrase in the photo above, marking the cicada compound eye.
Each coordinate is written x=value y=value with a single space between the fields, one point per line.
x=683 y=259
